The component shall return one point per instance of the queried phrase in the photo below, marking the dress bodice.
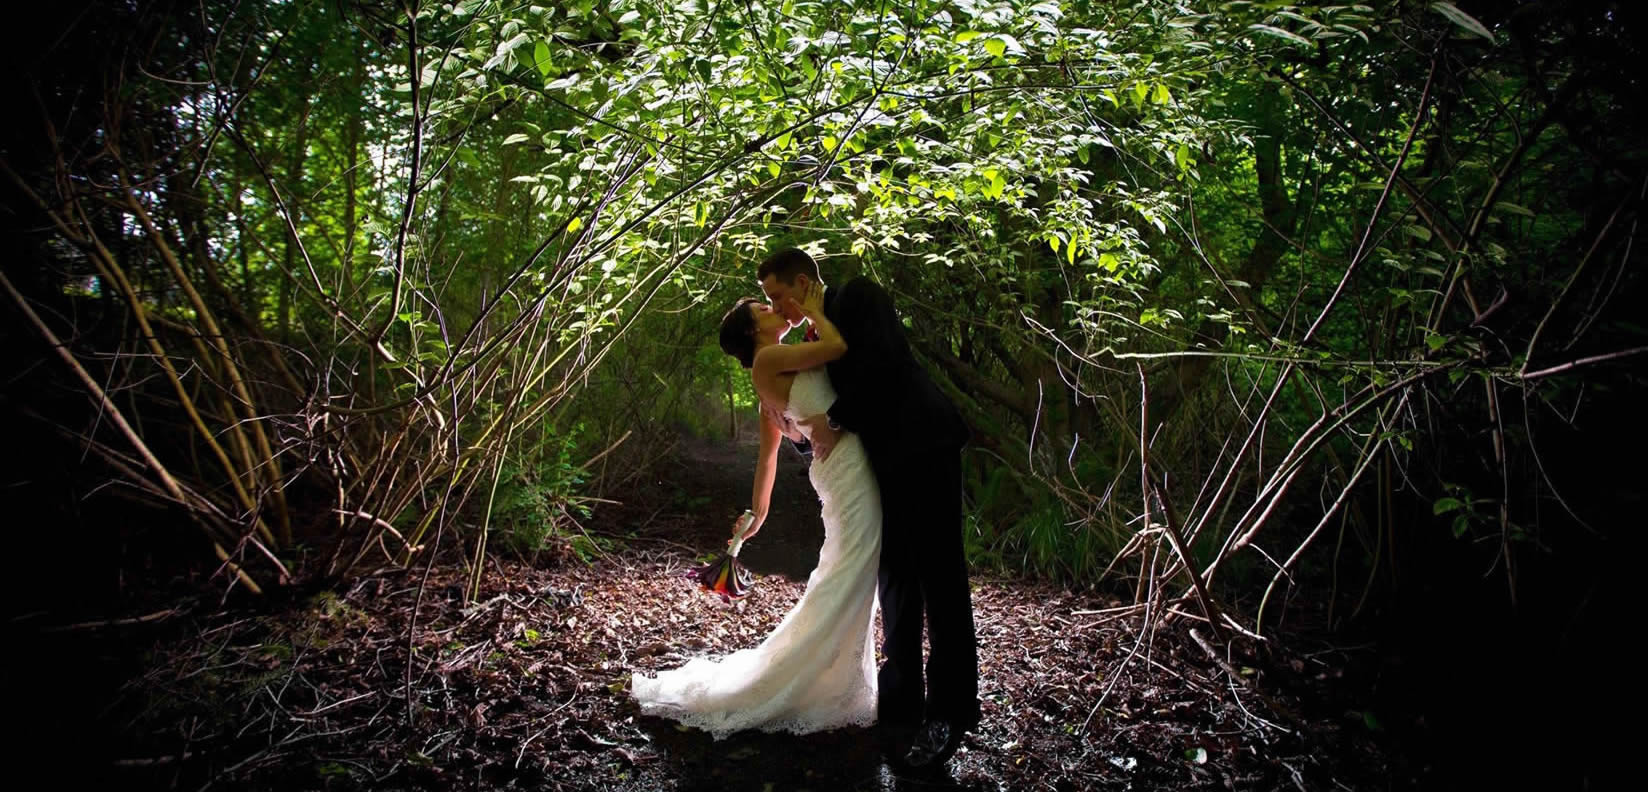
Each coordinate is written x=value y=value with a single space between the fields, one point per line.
x=810 y=394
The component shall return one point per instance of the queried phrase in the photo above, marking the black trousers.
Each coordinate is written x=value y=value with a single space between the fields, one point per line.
x=924 y=574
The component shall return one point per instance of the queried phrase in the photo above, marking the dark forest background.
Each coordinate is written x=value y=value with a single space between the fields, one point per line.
x=1318 y=322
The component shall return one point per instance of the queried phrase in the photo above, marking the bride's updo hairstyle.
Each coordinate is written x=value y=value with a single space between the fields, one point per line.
x=738 y=332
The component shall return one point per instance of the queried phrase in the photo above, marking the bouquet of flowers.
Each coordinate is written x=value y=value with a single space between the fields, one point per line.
x=724 y=575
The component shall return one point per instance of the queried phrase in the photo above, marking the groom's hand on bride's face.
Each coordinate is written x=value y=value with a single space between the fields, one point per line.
x=813 y=300
x=823 y=436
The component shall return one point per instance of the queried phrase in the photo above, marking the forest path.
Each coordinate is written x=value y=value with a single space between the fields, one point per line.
x=527 y=686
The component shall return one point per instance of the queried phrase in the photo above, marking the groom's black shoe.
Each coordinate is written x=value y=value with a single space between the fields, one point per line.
x=893 y=740
x=935 y=742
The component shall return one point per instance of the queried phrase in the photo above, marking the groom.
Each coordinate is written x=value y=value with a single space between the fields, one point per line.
x=913 y=436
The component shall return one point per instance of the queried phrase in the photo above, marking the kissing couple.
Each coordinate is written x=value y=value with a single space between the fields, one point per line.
x=886 y=448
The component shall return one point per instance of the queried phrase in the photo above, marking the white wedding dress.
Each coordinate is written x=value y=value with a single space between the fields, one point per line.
x=816 y=671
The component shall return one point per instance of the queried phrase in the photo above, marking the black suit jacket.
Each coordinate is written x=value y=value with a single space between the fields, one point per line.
x=882 y=393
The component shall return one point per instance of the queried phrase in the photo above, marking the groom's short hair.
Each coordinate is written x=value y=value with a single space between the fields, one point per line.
x=787 y=264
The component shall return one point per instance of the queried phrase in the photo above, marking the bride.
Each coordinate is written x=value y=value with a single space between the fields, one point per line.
x=816 y=671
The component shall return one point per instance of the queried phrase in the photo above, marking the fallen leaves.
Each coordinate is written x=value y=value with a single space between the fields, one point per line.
x=528 y=687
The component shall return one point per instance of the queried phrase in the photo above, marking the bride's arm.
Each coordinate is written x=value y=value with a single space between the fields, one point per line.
x=766 y=469
x=778 y=358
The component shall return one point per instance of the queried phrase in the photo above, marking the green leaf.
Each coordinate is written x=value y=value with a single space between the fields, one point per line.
x=998 y=184
x=1162 y=96
x=1511 y=208
x=1285 y=35
x=1110 y=262
x=1434 y=341
x=1181 y=157
x=995 y=46
x=967 y=35
x=829 y=142
x=541 y=54
x=1082 y=155
x=574 y=225
x=1196 y=755
x=505 y=49
x=783 y=141
x=704 y=69
x=1445 y=505
x=1140 y=91
x=518 y=137
x=1070 y=252
x=1462 y=19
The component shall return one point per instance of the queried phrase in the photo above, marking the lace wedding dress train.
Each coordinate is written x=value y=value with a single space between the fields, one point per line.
x=816 y=671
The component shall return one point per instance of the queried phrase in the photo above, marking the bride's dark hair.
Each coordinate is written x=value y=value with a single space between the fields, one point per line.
x=738 y=332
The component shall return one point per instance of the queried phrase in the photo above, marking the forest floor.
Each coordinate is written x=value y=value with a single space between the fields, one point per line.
x=526 y=686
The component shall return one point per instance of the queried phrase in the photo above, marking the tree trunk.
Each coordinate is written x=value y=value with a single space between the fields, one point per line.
x=243 y=250
x=1281 y=216
x=294 y=188
x=352 y=140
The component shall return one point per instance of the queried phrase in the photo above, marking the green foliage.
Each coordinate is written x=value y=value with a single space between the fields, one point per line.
x=1012 y=529
x=539 y=501
x=431 y=241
